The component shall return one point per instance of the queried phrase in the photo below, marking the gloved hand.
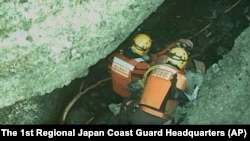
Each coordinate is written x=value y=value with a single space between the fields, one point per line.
x=135 y=86
x=193 y=96
x=141 y=83
x=135 y=89
x=196 y=90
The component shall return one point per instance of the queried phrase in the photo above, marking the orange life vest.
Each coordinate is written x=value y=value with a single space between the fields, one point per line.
x=124 y=70
x=156 y=89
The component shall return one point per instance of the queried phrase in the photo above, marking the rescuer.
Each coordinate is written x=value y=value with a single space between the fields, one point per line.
x=163 y=88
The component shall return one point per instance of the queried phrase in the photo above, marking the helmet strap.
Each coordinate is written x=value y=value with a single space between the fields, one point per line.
x=172 y=56
x=140 y=48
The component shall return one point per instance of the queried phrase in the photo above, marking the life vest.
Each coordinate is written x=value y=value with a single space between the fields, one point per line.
x=155 y=92
x=124 y=70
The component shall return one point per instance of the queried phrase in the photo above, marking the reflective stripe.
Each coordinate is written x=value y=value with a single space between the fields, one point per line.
x=139 y=60
x=167 y=75
x=123 y=63
x=168 y=68
x=120 y=69
x=164 y=72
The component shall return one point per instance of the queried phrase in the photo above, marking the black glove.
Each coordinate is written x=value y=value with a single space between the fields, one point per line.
x=135 y=89
x=135 y=86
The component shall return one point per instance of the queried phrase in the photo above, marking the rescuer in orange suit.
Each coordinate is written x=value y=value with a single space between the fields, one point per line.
x=194 y=69
x=192 y=64
x=162 y=89
x=130 y=64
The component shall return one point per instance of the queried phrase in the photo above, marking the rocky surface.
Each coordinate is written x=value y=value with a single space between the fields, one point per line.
x=224 y=96
x=44 y=45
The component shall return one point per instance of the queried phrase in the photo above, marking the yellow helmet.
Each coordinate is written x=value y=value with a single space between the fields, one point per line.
x=141 y=44
x=177 y=57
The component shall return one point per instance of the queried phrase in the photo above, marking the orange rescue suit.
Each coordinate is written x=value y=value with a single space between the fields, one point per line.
x=124 y=70
x=156 y=89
